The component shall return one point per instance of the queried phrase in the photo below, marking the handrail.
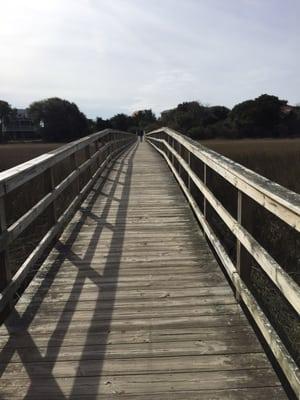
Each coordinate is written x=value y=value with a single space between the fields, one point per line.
x=16 y=176
x=107 y=145
x=282 y=202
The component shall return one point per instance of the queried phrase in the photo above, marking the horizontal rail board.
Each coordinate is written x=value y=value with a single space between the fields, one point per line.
x=280 y=201
x=17 y=176
x=25 y=220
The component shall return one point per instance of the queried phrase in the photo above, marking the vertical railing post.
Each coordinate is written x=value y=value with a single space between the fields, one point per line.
x=109 y=143
x=49 y=186
x=101 y=157
x=53 y=203
x=97 y=147
x=114 y=142
x=168 y=152
x=5 y=271
x=205 y=183
x=173 y=147
x=88 y=157
x=238 y=243
x=189 y=177
x=74 y=166
x=179 y=152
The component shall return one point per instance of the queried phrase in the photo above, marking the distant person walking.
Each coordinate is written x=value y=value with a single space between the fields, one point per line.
x=141 y=134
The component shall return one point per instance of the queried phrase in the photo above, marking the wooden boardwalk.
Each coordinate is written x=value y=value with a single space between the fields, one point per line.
x=132 y=304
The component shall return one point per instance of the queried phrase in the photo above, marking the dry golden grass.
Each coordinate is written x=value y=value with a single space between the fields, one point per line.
x=12 y=154
x=276 y=159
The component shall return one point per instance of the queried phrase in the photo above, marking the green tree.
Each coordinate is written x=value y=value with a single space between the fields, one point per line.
x=142 y=119
x=5 y=113
x=59 y=119
x=102 y=124
x=184 y=117
x=121 y=122
x=215 y=114
x=258 y=117
x=292 y=121
x=192 y=118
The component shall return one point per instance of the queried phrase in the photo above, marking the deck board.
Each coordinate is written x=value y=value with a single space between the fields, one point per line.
x=131 y=304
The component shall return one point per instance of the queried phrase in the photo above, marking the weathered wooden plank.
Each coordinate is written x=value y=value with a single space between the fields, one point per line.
x=126 y=294
x=147 y=279
x=136 y=350
x=122 y=313
x=142 y=384
x=131 y=366
x=261 y=393
x=14 y=339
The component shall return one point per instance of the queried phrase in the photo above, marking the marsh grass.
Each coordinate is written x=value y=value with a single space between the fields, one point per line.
x=12 y=154
x=278 y=160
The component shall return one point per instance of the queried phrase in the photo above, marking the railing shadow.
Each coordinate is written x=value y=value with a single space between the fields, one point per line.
x=20 y=338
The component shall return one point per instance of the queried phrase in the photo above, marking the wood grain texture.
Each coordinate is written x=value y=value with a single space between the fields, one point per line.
x=131 y=304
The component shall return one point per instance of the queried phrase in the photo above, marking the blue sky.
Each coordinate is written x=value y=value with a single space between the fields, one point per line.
x=113 y=56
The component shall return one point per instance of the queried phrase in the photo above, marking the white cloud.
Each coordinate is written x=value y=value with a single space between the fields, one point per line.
x=112 y=56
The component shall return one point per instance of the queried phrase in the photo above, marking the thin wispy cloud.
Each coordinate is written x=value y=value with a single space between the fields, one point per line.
x=121 y=55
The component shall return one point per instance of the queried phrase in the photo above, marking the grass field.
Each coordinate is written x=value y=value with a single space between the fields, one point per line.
x=276 y=159
x=12 y=154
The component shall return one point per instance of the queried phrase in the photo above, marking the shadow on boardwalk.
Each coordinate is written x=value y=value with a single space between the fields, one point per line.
x=20 y=339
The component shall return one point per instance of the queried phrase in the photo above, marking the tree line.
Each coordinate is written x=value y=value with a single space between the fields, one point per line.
x=266 y=116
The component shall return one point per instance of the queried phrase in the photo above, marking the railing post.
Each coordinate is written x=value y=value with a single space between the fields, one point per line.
x=5 y=270
x=49 y=186
x=168 y=153
x=179 y=165
x=88 y=157
x=111 y=144
x=74 y=166
x=189 y=178
x=205 y=183
x=238 y=243
x=53 y=204
x=172 y=145
x=97 y=146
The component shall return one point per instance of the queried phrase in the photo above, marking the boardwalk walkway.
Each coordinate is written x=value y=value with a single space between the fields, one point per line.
x=132 y=304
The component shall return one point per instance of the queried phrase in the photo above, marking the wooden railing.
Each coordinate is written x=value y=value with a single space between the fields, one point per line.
x=178 y=150
x=38 y=198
